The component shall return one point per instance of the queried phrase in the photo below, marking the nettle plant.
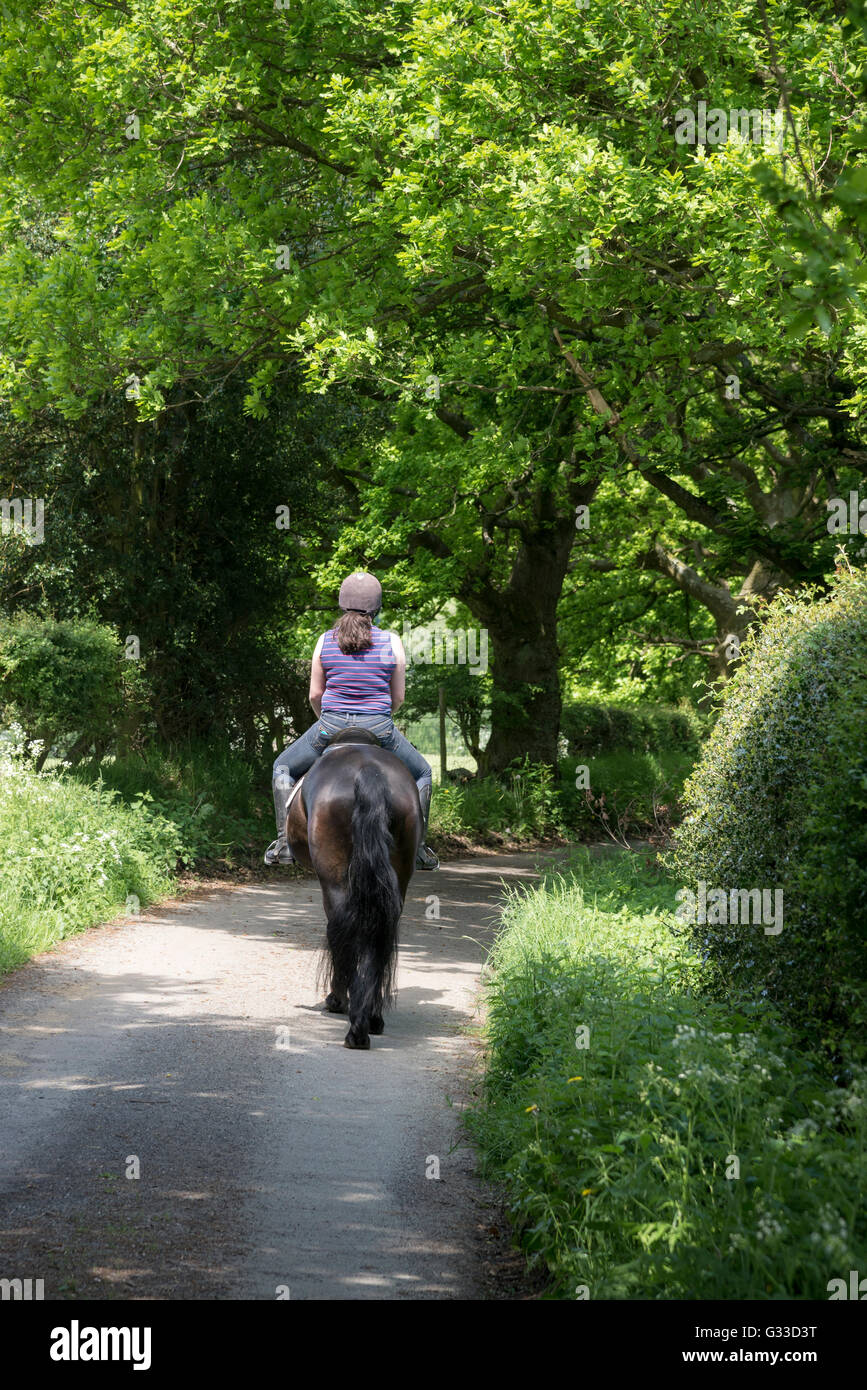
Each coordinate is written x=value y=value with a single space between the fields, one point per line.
x=779 y=801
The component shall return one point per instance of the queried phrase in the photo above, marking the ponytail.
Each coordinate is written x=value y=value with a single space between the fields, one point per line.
x=353 y=632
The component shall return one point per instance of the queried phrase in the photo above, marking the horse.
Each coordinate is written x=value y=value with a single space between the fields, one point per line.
x=357 y=822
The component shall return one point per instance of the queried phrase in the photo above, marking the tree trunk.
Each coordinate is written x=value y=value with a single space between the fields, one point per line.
x=276 y=730
x=527 y=533
x=47 y=739
x=81 y=745
x=469 y=727
x=251 y=739
x=522 y=633
x=525 y=701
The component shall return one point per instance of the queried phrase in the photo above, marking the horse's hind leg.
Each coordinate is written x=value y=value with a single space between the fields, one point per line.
x=341 y=951
x=365 y=1001
x=337 y=999
x=359 y=1021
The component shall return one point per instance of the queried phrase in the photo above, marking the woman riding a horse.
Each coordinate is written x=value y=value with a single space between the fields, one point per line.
x=357 y=680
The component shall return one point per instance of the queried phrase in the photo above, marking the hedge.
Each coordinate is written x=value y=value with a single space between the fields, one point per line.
x=593 y=726
x=778 y=802
x=59 y=679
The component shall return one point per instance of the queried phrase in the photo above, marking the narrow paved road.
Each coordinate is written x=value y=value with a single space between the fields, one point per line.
x=189 y=1047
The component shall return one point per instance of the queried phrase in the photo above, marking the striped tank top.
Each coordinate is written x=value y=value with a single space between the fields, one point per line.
x=358 y=682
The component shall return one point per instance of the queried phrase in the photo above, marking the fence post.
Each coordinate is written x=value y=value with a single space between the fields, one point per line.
x=442 y=695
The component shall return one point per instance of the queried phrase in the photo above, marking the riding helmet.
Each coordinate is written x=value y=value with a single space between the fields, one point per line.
x=361 y=593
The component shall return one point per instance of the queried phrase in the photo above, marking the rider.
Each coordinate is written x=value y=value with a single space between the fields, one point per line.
x=357 y=678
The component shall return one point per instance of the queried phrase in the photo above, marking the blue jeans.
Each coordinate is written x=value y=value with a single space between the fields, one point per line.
x=300 y=756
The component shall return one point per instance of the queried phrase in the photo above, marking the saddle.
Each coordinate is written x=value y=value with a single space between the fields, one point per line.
x=345 y=736
x=354 y=736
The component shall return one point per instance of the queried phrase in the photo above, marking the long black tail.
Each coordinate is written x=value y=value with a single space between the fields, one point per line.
x=362 y=935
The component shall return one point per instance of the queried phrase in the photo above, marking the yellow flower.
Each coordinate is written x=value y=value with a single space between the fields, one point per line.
x=575 y=1078
x=587 y=1192
x=531 y=1109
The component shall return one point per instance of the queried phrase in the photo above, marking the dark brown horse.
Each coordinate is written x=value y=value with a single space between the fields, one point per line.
x=357 y=822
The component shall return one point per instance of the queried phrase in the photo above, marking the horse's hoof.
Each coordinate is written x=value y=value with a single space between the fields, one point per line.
x=377 y=1026
x=334 y=1005
x=355 y=1042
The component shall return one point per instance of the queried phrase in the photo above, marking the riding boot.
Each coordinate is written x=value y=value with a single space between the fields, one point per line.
x=279 y=851
x=425 y=859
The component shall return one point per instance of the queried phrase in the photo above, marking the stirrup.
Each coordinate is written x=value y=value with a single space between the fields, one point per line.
x=426 y=859
x=279 y=852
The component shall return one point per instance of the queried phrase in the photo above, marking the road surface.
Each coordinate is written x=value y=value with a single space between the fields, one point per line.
x=180 y=1120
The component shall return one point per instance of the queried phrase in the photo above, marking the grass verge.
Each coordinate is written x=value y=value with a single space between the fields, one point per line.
x=678 y=1148
x=71 y=856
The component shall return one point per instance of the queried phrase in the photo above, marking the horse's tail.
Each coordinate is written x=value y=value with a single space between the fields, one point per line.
x=363 y=933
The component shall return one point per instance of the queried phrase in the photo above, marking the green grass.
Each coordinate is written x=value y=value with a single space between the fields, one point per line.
x=71 y=856
x=220 y=802
x=614 y=1157
x=453 y=760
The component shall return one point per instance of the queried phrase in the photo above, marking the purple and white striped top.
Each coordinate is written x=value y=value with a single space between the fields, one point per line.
x=358 y=682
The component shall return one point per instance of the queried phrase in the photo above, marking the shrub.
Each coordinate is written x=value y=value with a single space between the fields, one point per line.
x=630 y=794
x=59 y=679
x=593 y=726
x=523 y=804
x=217 y=798
x=778 y=801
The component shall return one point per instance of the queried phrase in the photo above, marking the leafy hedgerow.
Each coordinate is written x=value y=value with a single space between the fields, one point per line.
x=628 y=789
x=59 y=680
x=619 y=1158
x=597 y=726
x=778 y=801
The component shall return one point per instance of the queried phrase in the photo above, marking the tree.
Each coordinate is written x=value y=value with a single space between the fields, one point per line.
x=487 y=218
x=192 y=536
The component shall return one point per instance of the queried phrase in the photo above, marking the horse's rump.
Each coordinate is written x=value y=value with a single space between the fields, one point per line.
x=363 y=830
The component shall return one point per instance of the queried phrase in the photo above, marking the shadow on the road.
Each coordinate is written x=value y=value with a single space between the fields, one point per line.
x=134 y=1105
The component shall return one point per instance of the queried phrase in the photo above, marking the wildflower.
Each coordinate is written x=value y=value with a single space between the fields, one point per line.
x=768 y=1227
x=803 y=1129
